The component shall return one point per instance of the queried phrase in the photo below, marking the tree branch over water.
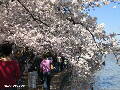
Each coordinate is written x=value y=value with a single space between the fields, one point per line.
x=86 y=28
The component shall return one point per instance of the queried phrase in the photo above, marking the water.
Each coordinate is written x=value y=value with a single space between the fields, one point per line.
x=108 y=78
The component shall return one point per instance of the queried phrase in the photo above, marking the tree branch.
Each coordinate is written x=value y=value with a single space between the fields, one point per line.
x=74 y=22
x=35 y=19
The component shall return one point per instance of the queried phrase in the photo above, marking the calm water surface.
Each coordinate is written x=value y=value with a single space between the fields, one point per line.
x=108 y=78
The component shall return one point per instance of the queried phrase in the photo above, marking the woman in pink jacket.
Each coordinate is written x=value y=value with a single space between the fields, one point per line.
x=46 y=69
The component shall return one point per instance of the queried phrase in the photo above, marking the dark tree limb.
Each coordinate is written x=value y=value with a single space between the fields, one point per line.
x=35 y=19
x=75 y=22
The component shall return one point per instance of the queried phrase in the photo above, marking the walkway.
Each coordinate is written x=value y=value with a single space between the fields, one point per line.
x=55 y=81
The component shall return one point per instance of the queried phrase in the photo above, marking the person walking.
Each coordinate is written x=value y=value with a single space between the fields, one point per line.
x=9 y=69
x=59 y=63
x=45 y=66
x=32 y=73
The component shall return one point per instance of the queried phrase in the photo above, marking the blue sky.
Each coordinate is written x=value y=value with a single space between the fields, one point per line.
x=110 y=16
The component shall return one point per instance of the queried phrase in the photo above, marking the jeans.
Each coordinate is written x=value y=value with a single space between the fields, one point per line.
x=32 y=78
x=46 y=78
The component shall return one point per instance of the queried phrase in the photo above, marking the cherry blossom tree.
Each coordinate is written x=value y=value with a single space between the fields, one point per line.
x=59 y=26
